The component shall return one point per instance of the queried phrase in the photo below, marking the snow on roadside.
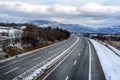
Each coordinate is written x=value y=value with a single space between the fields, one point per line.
x=110 y=62
x=113 y=48
x=41 y=69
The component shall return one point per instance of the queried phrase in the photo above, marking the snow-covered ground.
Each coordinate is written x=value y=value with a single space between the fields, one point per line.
x=12 y=32
x=110 y=62
x=113 y=48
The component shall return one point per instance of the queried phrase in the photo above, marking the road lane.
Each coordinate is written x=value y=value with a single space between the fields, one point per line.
x=96 y=70
x=81 y=70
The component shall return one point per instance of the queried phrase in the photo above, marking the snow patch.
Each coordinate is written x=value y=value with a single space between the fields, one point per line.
x=110 y=62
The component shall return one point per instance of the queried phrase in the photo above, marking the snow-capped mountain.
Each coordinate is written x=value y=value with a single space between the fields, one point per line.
x=109 y=30
x=76 y=27
x=69 y=27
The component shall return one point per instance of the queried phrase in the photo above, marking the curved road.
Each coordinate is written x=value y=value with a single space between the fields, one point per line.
x=81 y=64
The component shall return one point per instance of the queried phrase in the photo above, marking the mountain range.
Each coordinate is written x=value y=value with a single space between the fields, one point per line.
x=76 y=27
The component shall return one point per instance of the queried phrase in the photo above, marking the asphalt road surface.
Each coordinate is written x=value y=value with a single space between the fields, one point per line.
x=81 y=64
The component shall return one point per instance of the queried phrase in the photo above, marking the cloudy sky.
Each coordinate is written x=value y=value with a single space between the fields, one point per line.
x=93 y=13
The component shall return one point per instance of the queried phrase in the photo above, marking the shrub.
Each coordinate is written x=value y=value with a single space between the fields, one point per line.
x=13 y=50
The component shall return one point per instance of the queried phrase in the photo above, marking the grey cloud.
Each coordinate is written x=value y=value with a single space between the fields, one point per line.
x=88 y=14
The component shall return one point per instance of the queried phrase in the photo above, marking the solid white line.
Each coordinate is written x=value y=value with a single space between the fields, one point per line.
x=66 y=78
x=63 y=59
x=36 y=58
x=12 y=70
x=75 y=62
x=89 y=61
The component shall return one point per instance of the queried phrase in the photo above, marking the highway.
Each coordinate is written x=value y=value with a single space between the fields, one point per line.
x=81 y=64
x=13 y=68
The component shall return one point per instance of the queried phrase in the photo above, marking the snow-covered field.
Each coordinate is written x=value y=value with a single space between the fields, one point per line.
x=110 y=62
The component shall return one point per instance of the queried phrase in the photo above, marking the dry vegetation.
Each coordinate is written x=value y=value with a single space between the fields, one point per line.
x=116 y=44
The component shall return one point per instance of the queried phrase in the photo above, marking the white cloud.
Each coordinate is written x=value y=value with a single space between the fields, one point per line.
x=91 y=14
x=23 y=7
x=96 y=10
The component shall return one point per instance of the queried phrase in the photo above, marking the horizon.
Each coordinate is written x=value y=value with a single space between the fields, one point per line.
x=90 y=13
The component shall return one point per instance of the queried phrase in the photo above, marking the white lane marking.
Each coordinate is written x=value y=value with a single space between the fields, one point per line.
x=64 y=58
x=66 y=78
x=50 y=52
x=89 y=61
x=36 y=58
x=75 y=62
x=9 y=64
x=12 y=70
x=79 y=54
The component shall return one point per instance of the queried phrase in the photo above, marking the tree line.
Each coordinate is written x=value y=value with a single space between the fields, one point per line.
x=33 y=35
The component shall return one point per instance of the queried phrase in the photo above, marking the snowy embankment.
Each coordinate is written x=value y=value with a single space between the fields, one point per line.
x=110 y=62
x=112 y=48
